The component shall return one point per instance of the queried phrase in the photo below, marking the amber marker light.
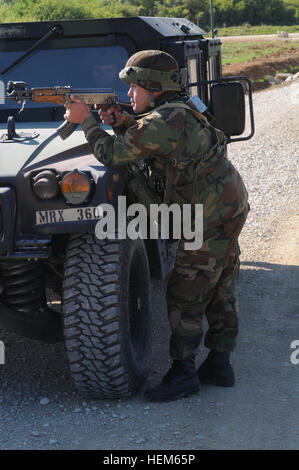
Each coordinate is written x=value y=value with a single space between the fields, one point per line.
x=75 y=187
x=110 y=193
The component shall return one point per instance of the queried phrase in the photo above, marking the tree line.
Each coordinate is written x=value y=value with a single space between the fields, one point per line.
x=227 y=12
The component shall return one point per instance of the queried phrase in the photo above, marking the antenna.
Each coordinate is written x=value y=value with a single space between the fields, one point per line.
x=212 y=18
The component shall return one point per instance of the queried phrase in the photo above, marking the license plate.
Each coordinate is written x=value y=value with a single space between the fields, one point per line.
x=68 y=215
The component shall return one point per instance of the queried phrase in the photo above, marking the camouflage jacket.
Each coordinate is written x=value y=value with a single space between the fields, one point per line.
x=172 y=136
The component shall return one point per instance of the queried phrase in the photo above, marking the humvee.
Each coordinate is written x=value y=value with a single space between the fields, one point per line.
x=48 y=245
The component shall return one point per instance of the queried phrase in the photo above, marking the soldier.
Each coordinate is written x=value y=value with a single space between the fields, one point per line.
x=182 y=145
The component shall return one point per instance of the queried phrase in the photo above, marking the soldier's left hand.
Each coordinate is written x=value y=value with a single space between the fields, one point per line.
x=76 y=111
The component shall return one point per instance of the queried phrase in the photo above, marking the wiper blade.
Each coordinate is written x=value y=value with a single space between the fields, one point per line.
x=55 y=30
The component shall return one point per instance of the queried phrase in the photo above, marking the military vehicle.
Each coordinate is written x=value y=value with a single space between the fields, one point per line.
x=50 y=191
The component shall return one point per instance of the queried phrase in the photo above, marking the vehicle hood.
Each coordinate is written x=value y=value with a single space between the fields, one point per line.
x=44 y=150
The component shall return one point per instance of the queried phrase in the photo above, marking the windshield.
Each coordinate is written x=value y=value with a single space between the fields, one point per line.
x=78 y=67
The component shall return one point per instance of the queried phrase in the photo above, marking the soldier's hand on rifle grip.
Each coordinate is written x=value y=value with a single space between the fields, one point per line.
x=111 y=116
x=76 y=111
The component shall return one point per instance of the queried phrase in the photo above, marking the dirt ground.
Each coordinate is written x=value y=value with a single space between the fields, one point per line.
x=267 y=65
x=40 y=409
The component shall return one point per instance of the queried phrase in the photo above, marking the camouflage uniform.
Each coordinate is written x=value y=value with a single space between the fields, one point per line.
x=203 y=281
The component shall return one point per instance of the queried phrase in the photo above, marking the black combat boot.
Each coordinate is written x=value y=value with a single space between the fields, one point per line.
x=217 y=370
x=180 y=381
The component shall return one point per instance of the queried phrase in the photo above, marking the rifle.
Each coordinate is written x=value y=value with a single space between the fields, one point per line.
x=103 y=97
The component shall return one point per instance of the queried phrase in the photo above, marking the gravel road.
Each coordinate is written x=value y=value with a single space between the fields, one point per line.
x=39 y=408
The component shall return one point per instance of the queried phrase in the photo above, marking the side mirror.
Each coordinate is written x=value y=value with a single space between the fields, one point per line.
x=227 y=104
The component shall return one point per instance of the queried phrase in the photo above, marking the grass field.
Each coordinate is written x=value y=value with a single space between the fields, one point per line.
x=235 y=52
x=247 y=30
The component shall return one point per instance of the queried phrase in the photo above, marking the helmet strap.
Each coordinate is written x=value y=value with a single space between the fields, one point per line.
x=152 y=99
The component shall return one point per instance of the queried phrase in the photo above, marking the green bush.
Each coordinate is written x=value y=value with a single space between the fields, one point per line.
x=228 y=12
x=44 y=10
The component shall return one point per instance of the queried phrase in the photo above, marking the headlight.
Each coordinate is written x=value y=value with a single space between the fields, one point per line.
x=76 y=187
x=45 y=185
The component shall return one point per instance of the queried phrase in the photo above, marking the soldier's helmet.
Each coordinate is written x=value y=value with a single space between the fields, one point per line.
x=152 y=70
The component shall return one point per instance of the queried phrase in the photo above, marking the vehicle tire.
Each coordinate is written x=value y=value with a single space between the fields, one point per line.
x=106 y=305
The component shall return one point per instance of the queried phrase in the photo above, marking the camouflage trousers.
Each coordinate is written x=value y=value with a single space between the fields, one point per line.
x=203 y=282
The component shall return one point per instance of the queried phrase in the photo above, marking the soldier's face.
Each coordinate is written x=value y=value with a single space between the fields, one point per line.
x=139 y=97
